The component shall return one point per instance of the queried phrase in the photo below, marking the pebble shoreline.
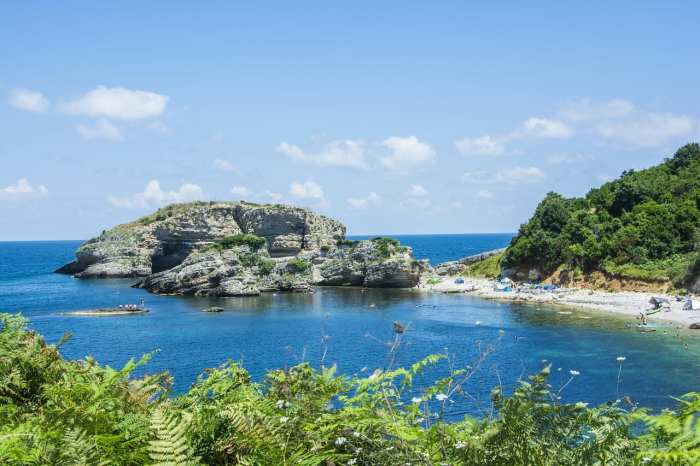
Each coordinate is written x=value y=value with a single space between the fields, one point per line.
x=624 y=302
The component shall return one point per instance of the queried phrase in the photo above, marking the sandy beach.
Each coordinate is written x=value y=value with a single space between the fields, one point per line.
x=626 y=303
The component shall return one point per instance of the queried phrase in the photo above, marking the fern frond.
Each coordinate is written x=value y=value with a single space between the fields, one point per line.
x=170 y=447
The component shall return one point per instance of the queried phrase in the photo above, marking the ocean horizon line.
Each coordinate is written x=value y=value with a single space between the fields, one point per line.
x=349 y=235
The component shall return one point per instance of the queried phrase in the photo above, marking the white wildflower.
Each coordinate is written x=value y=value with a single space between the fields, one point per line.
x=284 y=419
x=621 y=359
x=460 y=445
x=352 y=461
x=340 y=440
x=574 y=373
x=441 y=397
x=355 y=434
x=416 y=400
x=280 y=404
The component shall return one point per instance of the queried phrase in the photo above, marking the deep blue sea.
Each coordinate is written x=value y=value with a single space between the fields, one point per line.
x=279 y=329
x=448 y=247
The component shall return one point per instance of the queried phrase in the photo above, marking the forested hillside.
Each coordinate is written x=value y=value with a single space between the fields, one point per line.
x=643 y=225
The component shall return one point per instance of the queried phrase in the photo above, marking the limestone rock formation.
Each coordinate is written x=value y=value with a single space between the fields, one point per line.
x=237 y=271
x=164 y=239
x=242 y=249
x=379 y=263
x=246 y=271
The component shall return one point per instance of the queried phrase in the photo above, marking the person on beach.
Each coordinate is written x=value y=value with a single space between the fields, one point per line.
x=643 y=317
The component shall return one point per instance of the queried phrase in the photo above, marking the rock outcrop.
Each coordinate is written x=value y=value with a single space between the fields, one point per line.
x=238 y=271
x=379 y=263
x=246 y=271
x=452 y=268
x=164 y=239
x=242 y=249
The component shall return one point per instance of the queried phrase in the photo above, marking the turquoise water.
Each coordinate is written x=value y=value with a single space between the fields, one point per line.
x=277 y=329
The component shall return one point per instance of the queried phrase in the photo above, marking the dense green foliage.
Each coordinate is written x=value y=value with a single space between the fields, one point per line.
x=487 y=268
x=387 y=246
x=242 y=239
x=297 y=265
x=59 y=412
x=263 y=263
x=645 y=224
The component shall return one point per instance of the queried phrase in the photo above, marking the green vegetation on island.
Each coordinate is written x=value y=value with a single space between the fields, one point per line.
x=242 y=239
x=489 y=267
x=297 y=265
x=644 y=225
x=58 y=411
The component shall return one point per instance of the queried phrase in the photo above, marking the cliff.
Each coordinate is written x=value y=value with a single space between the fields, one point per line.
x=166 y=238
x=241 y=249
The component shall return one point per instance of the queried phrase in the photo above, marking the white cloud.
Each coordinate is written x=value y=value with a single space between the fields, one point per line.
x=417 y=190
x=22 y=190
x=407 y=153
x=343 y=153
x=242 y=191
x=103 y=129
x=532 y=128
x=482 y=145
x=224 y=165
x=647 y=130
x=373 y=199
x=586 y=110
x=417 y=197
x=543 y=128
x=621 y=121
x=118 y=103
x=154 y=196
x=484 y=194
x=306 y=190
x=28 y=100
x=517 y=175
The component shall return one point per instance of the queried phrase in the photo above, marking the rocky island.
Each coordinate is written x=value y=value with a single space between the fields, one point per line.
x=242 y=249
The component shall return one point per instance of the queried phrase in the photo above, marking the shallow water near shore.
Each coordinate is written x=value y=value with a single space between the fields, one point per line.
x=280 y=329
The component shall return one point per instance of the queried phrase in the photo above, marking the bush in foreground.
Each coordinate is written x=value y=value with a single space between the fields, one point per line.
x=55 y=411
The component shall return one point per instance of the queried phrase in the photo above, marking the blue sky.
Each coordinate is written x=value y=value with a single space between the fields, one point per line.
x=395 y=117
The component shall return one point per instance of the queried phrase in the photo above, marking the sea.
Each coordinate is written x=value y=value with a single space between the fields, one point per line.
x=500 y=342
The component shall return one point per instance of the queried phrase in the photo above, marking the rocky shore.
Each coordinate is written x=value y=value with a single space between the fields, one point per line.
x=242 y=249
x=626 y=303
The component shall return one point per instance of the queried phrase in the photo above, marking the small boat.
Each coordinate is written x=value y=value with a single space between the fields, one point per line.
x=122 y=309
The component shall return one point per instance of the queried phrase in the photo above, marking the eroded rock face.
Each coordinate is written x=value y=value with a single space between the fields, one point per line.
x=238 y=271
x=179 y=250
x=371 y=264
x=166 y=238
x=242 y=271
